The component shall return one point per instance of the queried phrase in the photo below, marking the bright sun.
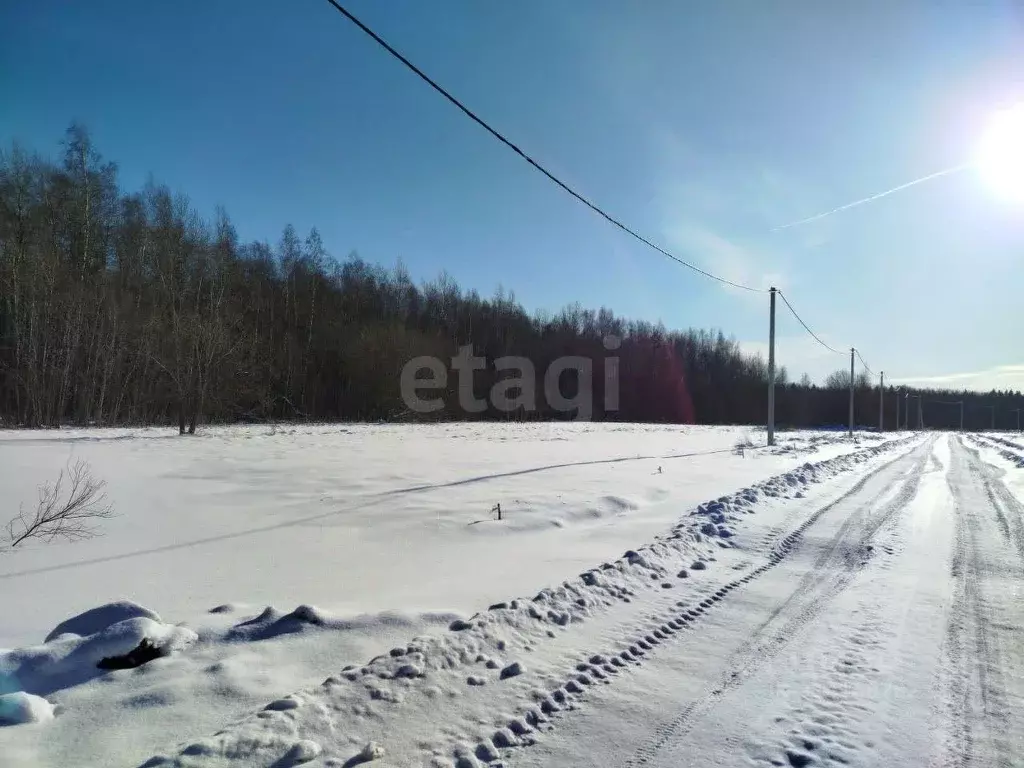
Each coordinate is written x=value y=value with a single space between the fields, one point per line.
x=999 y=157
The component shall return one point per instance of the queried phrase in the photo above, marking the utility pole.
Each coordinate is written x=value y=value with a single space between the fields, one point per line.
x=906 y=411
x=961 y=415
x=771 y=370
x=852 y=352
x=881 y=402
x=920 y=415
x=1017 y=411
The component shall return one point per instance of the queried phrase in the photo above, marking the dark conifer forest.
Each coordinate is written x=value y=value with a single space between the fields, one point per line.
x=131 y=307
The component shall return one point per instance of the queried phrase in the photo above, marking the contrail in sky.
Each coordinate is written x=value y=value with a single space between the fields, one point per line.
x=888 y=192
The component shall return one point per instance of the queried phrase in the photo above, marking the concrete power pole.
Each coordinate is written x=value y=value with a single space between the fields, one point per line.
x=961 y=415
x=906 y=411
x=771 y=370
x=881 y=402
x=852 y=352
x=1017 y=411
x=897 y=410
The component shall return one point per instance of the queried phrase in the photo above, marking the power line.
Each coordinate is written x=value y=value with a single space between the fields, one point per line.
x=866 y=367
x=551 y=177
x=483 y=124
x=806 y=327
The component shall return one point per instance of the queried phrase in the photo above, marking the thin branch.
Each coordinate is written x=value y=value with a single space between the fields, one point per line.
x=60 y=515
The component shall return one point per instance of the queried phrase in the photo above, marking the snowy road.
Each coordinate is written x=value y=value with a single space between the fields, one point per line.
x=889 y=633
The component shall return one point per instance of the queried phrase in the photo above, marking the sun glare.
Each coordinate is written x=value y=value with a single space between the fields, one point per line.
x=999 y=158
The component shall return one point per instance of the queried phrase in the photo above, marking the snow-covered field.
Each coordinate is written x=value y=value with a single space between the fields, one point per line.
x=352 y=569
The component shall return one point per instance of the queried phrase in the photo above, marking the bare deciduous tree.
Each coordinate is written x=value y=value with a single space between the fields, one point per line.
x=841 y=379
x=63 y=515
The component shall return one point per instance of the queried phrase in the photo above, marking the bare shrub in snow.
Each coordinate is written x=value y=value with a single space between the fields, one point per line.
x=67 y=509
x=743 y=445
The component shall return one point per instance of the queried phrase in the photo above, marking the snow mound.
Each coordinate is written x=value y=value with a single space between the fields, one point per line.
x=97 y=619
x=20 y=707
x=71 y=659
x=271 y=623
x=302 y=752
x=372 y=751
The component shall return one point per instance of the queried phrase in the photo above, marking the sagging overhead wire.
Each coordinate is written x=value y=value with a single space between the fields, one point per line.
x=487 y=127
x=818 y=339
x=806 y=327
x=866 y=367
x=551 y=177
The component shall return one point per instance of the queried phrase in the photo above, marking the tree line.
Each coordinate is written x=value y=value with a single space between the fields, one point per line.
x=120 y=307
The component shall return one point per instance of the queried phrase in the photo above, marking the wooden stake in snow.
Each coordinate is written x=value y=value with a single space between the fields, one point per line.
x=497 y=508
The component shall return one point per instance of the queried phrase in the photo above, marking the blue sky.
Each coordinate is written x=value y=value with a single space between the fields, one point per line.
x=702 y=125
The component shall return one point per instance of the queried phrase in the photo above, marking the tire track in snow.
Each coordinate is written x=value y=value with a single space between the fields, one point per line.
x=772 y=537
x=819 y=733
x=977 y=685
x=830 y=575
x=838 y=708
x=958 y=650
x=1008 y=509
x=1008 y=450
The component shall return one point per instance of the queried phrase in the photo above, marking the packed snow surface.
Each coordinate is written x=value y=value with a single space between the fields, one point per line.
x=291 y=576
